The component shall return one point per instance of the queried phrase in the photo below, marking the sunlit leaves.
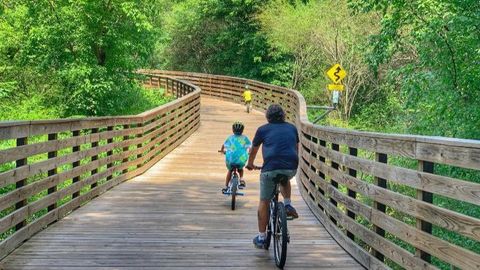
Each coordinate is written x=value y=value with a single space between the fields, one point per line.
x=432 y=48
x=83 y=51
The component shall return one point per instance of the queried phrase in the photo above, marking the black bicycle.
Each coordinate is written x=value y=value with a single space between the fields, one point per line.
x=277 y=225
x=233 y=185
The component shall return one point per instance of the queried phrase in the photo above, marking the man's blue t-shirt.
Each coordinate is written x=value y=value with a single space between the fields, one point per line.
x=279 y=146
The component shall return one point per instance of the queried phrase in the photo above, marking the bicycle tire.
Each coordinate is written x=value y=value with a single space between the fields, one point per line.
x=280 y=237
x=234 y=191
x=270 y=226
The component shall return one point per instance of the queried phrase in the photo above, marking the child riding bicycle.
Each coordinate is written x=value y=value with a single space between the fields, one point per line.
x=236 y=148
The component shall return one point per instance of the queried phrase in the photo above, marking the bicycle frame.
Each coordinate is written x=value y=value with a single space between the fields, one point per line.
x=277 y=228
x=234 y=180
x=233 y=187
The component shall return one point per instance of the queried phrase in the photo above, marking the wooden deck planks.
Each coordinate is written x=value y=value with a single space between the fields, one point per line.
x=175 y=217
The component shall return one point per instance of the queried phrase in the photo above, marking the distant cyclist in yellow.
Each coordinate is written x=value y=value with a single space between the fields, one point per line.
x=247 y=96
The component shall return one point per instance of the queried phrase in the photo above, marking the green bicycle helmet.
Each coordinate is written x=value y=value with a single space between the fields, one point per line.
x=237 y=128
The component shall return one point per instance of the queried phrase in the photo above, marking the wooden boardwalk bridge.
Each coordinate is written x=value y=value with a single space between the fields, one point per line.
x=56 y=213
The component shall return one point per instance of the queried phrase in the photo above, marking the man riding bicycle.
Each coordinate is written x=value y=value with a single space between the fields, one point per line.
x=280 y=157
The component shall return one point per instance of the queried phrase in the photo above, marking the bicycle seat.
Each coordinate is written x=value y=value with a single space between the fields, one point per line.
x=280 y=178
x=235 y=167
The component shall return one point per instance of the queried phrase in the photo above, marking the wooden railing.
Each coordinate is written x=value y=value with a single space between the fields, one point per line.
x=380 y=196
x=50 y=168
x=384 y=198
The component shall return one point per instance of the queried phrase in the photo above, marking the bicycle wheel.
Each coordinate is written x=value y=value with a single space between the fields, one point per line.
x=280 y=236
x=234 y=183
x=270 y=225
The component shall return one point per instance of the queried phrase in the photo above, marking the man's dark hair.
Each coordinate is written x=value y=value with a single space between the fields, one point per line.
x=275 y=114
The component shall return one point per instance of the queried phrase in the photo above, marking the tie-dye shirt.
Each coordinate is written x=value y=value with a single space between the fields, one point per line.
x=236 y=150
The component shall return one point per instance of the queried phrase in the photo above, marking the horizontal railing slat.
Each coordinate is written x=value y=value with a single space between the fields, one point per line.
x=99 y=153
x=443 y=151
x=446 y=186
x=397 y=254
x=465 y=225
x=153 y=134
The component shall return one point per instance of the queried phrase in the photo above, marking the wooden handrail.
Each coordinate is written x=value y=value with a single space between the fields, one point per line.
x=346 y=178
x=49 y=168
x=350 y=179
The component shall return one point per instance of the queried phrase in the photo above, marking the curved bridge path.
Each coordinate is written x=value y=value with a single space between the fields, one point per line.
x=174 y=216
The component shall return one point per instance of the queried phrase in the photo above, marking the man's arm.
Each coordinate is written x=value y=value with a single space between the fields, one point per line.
x=251 y=158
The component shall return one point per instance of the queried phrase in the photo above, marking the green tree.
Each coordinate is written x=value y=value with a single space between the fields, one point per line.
x=430 y=50
x=317 y=35
x=83 y=51
x=219 y=36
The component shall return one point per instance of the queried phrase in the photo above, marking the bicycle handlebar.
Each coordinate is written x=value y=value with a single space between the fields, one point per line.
x=255 y=167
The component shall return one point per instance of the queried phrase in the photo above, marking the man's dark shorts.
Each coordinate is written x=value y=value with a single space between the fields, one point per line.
x=267 y=184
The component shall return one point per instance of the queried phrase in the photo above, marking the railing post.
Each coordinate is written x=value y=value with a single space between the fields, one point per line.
x=94 y=158
x=320 y=173
x=140 y=135
x=21 y=183
x=125 y=149
x=167 y=89
x=153 y=138
x=75 y=179
x=351 y=193
x=322 y=159
x=424 y=166
x=382 y=158
x=110 y=152
x=53 y=154
x=335 y=147
x=176 y=89
x=312 y=153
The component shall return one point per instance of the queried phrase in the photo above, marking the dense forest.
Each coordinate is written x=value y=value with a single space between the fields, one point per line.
x=413 y=66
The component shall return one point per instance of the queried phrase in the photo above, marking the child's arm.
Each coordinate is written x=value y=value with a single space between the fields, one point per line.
x=222 y=149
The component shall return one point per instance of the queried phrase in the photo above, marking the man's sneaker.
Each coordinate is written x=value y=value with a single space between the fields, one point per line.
x=291 y=212
x=259 y=243
x=242 y=184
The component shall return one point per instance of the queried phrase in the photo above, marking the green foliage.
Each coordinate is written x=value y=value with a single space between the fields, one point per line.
x=413 y=66
x=430 y=50
x=219 y=37
x=322 y=36
x=27 y=109
x=80 y=53
x=134 y=101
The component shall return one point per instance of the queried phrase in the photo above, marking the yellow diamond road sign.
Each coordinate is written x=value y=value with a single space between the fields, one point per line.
x=336 y=73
